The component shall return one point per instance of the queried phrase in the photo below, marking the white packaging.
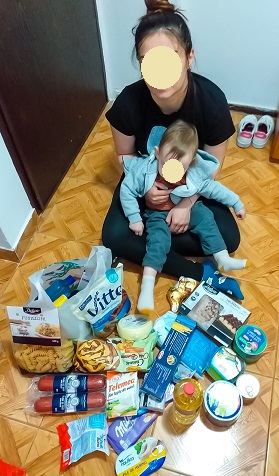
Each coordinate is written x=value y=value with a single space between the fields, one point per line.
x=122 y=394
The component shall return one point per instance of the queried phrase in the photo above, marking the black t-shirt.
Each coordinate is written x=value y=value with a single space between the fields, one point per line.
x=134 y=112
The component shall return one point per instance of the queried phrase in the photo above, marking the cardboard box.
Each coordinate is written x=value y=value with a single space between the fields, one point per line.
x=214 y=312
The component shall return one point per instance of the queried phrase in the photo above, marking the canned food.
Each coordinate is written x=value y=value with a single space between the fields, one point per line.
x=248 y=386
x=250 y=342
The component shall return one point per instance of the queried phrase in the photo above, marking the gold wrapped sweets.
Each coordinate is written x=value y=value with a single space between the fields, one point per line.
x=181 y=290
x=42 y=359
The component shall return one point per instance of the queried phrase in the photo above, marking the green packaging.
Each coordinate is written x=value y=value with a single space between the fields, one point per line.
x=250 y=342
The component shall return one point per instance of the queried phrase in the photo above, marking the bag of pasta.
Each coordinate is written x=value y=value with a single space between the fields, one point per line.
x=45 y=359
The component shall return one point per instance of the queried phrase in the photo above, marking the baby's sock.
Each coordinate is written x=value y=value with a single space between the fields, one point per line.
x=227 y=285
x=226 y=263
x=146 y=297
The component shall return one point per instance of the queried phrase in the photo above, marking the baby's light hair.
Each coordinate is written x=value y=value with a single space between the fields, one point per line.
x=182 y=138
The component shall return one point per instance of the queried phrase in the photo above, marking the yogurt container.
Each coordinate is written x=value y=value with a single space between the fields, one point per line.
x=250 y=342
x=248 y=386
x=223 y=403
x=226 y=365
x=141 y=459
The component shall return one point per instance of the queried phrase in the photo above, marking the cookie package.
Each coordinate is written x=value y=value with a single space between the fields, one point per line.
x=96 y=355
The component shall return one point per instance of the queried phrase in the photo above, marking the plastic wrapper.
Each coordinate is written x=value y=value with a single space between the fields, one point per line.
x=42 y=359
x=81 y=437
x=122 y=394
x=102 y=304
x=181 y=290
x=93 y=402
x=68 y=383
x=68 y=393
x=10 y=470
x=198 y=352
x=86 y=271
x=96 y=355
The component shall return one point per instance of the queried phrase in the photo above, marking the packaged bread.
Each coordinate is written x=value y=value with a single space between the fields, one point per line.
x=44 y=359
x=97 y=355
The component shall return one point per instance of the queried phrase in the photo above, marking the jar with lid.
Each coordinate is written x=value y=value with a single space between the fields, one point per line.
x=187 y=400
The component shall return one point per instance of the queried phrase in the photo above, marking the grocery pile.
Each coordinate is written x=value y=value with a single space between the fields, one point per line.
x=93 y=357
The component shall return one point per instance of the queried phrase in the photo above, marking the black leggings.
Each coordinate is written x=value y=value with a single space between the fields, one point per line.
x=123 y=243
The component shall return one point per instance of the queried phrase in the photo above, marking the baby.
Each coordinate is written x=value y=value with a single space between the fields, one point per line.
x=185 y=171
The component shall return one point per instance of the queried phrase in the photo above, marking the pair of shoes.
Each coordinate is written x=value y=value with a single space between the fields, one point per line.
x=253 y=131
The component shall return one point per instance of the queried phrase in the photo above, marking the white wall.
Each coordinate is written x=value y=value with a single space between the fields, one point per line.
x=236 y=44
x=15 y=208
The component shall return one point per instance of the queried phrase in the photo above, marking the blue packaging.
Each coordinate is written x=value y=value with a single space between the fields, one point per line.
x=59 y=287
x=198 y=353
x=167 y=360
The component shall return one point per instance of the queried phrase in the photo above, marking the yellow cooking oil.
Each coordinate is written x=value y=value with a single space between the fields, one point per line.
x=187 y=400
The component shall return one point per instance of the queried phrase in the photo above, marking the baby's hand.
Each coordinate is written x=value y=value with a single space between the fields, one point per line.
x=241 y=214
x=137 y=227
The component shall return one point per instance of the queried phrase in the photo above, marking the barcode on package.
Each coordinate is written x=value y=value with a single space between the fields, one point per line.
x=66 y=455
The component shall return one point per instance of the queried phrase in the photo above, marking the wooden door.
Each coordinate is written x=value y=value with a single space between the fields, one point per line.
x=52 y=87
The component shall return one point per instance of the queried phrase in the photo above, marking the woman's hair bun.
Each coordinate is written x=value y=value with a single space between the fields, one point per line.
x=154 y=6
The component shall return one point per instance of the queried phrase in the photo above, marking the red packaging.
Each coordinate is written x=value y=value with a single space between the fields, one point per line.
x=10 y=470
x=80 y=437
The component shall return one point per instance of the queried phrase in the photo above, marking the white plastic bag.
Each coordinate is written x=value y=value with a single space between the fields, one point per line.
x=87 y=271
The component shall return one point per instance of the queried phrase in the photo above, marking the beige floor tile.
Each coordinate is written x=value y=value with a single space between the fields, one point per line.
x=8 y=269
x=16 y=440
x=204 y=449
x=273 y=444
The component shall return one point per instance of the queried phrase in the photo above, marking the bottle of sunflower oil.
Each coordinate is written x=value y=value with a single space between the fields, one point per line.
x=187 y=400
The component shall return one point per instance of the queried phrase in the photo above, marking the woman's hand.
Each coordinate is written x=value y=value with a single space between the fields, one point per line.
x=157 y=195
x=179 y=217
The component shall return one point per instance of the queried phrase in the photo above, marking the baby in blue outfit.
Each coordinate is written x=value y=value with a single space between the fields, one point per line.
x=179 y=142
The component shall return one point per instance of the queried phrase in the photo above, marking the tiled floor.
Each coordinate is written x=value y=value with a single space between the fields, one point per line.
x=68 y=228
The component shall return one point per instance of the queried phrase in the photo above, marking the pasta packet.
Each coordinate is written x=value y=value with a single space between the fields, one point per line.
x=96 y=355
x=43 y=359
x=81 y=437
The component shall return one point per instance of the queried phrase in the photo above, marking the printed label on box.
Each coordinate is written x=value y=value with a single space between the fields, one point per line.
x=31 y=325
x=214 y=312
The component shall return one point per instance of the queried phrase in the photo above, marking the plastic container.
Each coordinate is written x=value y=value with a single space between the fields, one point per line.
x=223 y=403
x=226 y=365
x=59 y=287
x=250 y=342
x=248 y=386
x=144 y=458
x=187 y=400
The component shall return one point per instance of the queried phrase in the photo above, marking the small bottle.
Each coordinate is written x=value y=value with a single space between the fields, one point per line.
x=187 y=400
x=59 y=287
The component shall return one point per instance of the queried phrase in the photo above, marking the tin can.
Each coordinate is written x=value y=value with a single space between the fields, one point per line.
x=223 y=403
x=248 y=386
x=250 y=342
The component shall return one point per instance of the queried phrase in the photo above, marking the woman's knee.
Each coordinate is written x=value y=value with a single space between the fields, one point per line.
x=114 y=233
x=232 y=239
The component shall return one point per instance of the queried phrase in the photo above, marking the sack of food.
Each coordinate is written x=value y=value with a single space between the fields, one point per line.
x=45 y=359
x=103 y=303
x=114 y=353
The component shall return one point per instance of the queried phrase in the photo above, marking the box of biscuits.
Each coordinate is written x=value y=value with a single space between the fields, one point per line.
x=214 y=312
